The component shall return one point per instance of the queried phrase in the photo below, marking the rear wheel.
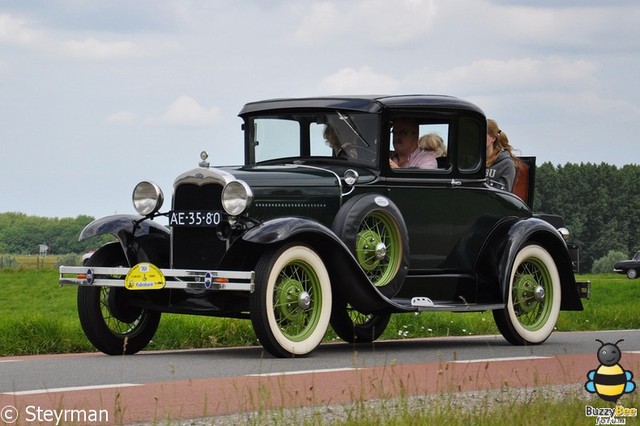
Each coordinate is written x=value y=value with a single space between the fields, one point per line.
x=110 y=322
x=353 y=326
x=632 y=274
x=291 y=304
x=533 y=301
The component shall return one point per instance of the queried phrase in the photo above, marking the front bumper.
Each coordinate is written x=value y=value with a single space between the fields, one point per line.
x=136 y=278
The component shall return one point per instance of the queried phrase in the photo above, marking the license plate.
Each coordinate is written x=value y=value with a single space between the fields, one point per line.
x=197 y=218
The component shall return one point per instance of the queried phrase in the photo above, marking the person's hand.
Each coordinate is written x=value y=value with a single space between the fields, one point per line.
x=392 y=164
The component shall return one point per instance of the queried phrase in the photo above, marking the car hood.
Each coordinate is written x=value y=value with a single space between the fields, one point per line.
x=299 y=175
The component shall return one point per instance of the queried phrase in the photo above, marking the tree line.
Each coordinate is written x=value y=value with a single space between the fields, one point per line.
x=22 y=234
x=600 y=205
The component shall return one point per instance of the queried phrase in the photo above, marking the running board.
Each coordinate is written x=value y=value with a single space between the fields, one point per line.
x=424 y=304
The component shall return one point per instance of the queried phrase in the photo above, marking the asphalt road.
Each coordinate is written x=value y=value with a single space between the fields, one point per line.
x=156 y=384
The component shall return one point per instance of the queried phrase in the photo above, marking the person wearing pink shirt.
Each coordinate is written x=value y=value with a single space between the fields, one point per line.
x=405 y=143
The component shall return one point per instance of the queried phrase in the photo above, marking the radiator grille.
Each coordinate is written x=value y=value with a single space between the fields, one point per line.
x=197 y=248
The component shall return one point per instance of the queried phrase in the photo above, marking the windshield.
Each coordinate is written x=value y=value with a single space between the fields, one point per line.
x=339 y=135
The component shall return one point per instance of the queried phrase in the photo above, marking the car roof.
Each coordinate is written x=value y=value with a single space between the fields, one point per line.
x=365 y=103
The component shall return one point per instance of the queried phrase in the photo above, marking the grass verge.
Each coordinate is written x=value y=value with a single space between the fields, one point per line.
x=40 y=317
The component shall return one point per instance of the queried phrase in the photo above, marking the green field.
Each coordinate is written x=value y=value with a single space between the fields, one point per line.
x=39 y=317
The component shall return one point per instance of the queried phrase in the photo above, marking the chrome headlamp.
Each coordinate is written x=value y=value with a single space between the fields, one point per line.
x=236 y=197
x=147 y=198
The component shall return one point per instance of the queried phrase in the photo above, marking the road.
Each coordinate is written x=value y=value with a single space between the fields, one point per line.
x=152 y=386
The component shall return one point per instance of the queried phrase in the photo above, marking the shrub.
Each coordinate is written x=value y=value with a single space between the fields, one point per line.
x=605 y=264
x=70 y=259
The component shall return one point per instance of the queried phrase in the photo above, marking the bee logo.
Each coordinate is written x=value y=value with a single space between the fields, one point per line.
x=609 y=381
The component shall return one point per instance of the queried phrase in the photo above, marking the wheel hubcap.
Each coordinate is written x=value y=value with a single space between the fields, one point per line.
x=538 y=293
x=304 y=300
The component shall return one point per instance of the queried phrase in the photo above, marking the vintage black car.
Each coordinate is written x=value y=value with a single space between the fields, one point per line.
x=629 y=267
x=317 y=229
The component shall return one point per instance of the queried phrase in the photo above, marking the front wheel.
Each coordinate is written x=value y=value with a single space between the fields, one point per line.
x=533 y=301
x=110 y=322
x=291 y=304
x=632 y=274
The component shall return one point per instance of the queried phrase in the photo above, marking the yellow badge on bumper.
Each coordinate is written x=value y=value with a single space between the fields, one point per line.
x=144 y=276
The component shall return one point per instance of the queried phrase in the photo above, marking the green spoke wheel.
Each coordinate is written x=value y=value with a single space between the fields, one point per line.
x=378 y=247
x=373 y=229
x=291 y=305
x=353 y=326
x=111 y=323
x=533 y=301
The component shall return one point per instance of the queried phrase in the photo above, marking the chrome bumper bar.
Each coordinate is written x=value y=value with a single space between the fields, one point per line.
x=101 y=276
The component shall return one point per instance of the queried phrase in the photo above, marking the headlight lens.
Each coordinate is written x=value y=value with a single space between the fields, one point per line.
x=236 y=197
x=147 y=198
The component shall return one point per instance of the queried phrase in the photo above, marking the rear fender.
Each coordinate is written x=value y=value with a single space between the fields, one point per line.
x=509 y=237
x=141 y=240
x=348 y=281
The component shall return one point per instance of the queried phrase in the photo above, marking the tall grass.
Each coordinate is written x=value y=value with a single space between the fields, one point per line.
x=37 y=316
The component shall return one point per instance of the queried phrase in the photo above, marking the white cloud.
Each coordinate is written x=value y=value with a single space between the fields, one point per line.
x=122 y=117
x=92 y=48
x=186 y=111
x=357 y=81
x=376 y=21
x=15 y=31
x=517 y=74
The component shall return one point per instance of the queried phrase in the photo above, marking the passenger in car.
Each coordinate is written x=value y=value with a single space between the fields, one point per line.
x=501 y=159
x=433 y=142
x=340 y=150
x=405 y=143
x=434 y=145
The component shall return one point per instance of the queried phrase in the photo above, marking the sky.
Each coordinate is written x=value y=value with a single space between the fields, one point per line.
x=98 y=95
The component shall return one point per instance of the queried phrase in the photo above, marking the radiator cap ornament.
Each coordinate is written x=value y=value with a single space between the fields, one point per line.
x=203 y=157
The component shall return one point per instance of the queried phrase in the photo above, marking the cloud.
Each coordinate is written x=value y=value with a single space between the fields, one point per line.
x=368 y=20
x=518 y=74
x=122 y=117
x=15 y=31
x=357 y=81
x=186 y=111
x=92 y=48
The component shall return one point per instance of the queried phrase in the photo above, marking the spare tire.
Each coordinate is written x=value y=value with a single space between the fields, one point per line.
x=373 y=229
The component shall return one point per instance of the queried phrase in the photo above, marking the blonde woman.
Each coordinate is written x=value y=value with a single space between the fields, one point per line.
x=433 y=142
x=501 y=159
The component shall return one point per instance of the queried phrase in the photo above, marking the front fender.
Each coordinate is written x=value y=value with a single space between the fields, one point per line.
x=506 y=246
x=141 y=240
x=348 y=281
x=121 y=224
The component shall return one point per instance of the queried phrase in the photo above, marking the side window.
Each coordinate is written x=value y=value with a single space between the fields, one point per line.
x=275 y=138
x=470 y=144
x=419 y=144
x=319 y=145
x=434 y=138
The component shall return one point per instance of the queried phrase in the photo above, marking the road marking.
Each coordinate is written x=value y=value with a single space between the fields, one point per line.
x=70 y=389
x=10 y=360
x=288 y=373
x=515 y=358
